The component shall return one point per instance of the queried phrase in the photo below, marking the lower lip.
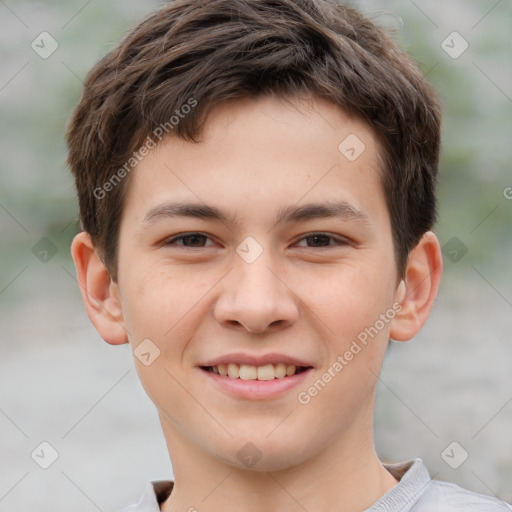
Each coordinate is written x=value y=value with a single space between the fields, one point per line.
x=257 y=389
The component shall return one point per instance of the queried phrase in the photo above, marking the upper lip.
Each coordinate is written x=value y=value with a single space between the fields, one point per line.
x=254 y=360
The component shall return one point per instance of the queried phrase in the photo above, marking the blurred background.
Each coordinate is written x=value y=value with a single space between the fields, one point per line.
x=445 y=396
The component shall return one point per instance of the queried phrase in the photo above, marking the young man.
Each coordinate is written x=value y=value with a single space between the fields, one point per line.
x=256 y=181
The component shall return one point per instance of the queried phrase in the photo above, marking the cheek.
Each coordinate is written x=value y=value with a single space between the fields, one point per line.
x=150 y=294
x=166 y=306
x=159 y=309
x=347 y=301
x=348 y=307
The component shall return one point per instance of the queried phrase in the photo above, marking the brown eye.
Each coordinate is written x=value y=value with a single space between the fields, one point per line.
x=319 y=240
x=322 y=240
x=189 y=240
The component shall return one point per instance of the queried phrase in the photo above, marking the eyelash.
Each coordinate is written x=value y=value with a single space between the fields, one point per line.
x=339 y=241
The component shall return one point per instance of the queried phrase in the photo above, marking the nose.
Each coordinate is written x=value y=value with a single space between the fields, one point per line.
x=256 y=297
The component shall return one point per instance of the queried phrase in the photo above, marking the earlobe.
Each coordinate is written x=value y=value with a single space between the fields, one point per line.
x=99 y=292
x=418 y=290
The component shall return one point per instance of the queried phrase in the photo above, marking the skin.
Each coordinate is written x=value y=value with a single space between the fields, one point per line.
x=306 y=297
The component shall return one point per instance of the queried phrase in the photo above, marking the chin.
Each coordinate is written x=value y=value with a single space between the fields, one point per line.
x=263 y=456
x=267 y=464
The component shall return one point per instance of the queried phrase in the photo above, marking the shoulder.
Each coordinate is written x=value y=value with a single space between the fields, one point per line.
x=447 y=497
x=416 y=491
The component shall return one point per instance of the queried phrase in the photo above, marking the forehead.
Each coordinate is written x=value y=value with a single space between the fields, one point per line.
x=261 y=154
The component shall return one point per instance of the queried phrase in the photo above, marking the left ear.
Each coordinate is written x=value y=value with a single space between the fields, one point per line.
x=418 y=290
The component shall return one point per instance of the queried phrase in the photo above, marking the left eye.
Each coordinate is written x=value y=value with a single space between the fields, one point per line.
x=322 y=240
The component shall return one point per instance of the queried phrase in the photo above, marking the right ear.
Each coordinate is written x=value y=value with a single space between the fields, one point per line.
x=99 y=292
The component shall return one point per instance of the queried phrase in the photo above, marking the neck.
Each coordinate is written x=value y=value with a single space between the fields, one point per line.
x=346 y=475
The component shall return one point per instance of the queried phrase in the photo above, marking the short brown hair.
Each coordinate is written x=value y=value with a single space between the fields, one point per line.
x=211 y=51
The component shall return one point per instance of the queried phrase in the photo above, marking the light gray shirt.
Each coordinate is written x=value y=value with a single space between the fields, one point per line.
x=415 y=492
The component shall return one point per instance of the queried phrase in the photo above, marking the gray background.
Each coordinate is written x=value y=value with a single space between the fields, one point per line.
x=60 y=383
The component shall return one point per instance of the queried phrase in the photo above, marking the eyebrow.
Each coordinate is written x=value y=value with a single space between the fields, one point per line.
x=288 y=214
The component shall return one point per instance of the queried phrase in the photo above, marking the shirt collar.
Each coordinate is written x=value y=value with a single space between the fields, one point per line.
x=413 y=477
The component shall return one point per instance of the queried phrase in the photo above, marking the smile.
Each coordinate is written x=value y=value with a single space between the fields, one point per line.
x=251 y=372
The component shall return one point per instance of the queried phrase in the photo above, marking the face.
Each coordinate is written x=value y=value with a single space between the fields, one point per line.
x=268 y=245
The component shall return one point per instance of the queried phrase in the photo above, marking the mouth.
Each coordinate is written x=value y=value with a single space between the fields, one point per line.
x=255 y=377
x=250 y=382
x=256 y=373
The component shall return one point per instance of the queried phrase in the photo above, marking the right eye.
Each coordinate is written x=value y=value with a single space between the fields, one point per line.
x=192 y=240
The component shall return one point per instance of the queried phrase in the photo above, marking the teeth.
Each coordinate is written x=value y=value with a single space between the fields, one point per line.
x=266 y=372
x=250 y=372
x=280 y=370
x=290 y=370
x=233 y=371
